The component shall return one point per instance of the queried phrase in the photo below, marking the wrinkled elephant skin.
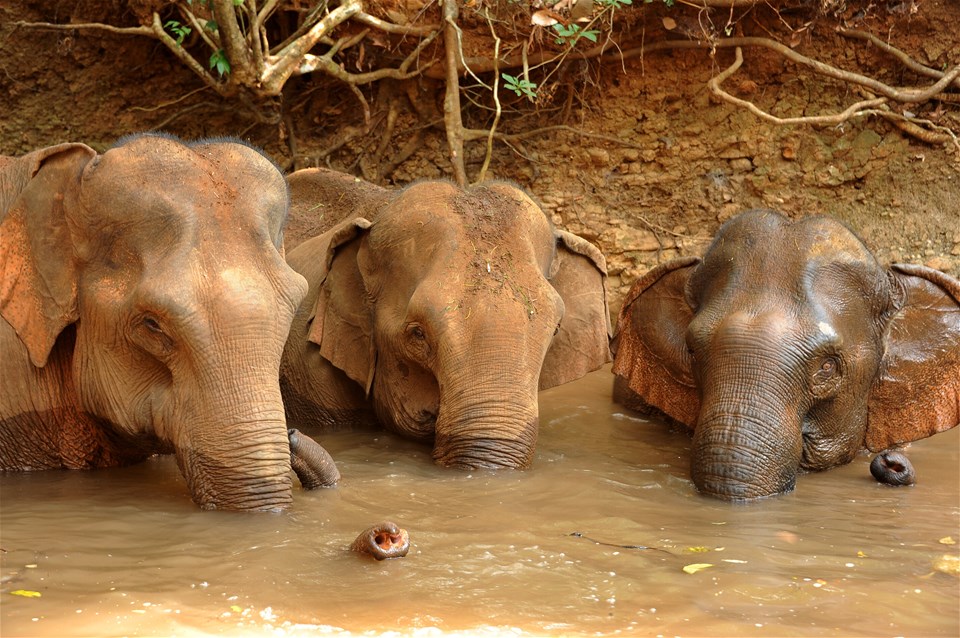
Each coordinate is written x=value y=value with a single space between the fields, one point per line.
x=438 y=312
x=145 y=304
x=893 y=468
x=312 y=464
x=789 y=349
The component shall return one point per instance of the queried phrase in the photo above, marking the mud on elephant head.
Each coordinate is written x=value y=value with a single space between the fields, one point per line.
x=789 y=348
x=439 y=312
x=145 y=304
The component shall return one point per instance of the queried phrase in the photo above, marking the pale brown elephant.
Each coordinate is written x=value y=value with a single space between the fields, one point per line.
x=788 y=348
x=145 y=302
x=438 y=312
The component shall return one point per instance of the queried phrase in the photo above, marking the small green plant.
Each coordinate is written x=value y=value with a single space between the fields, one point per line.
x=569 y=34
x=617 y=4
x=220 y=62
x=523 y=88
x=181 y=31
x=669 y=3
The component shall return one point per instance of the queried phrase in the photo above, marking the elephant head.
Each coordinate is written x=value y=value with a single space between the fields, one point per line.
x=146 y=302
x=789 y=348
x=441 y=311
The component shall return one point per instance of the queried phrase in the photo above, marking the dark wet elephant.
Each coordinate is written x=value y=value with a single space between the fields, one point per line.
x=145 y=304
x=789 y=348
x=439 y=312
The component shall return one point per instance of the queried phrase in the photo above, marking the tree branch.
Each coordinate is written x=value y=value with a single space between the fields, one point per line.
x=281 y=66
x=188 y=60
x=234 y=43
x=147 y=31
x=382 y=25
x=451 y=101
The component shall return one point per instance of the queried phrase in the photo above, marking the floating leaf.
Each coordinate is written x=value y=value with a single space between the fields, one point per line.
x=236 y=608
x=699 y=549
x=860 y=554
x=948 y=564
x=947 y=540
x=693 y=568
x=26 y=593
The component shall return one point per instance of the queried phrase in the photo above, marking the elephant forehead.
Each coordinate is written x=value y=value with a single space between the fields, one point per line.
x=154 y=176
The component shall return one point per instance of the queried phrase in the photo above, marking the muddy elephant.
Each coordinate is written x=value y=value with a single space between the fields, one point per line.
x=787 y=349
x=439 y=312
x=145 y=304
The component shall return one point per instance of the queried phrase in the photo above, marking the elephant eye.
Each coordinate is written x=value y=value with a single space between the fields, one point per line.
x=416 y=332
x=152 y=325
x=827 y=373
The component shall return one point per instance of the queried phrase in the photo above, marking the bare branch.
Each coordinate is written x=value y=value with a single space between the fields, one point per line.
x=212 y=39
x=147 y=31
x=186 y=58
x=496 y=99
x=281 y=66
x=451 y=101
x=242 y=70
x=377 y=23
x=257 y=48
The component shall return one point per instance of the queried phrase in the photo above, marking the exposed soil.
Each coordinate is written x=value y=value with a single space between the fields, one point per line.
x=647 y=165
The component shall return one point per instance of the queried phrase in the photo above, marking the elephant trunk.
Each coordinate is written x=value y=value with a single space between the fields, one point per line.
x=235 y=453
x=745 y=450
x=486 y=428
x=249 y=471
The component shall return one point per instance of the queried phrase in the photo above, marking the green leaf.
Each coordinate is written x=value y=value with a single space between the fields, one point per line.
x=177 y=29
x=237 y=3
x=693 y=568
x=211 y=25
x=26 y=593
x=590 y=35
x=220 y=62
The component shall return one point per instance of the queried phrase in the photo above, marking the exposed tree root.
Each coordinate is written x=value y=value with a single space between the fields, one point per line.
x=258 y=71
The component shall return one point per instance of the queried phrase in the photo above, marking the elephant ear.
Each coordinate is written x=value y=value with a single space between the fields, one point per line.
x=582 y=342
x=341 y=322
x=38 y=272
x=651 y=361
x=918 y=391
x=321 y=198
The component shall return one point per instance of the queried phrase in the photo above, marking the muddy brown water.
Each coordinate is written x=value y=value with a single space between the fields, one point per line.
x=124 y=552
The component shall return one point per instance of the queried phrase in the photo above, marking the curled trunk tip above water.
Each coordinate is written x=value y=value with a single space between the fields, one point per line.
x=383 y=540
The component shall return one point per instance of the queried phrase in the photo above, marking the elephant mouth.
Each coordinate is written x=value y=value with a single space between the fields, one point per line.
x=420 y=426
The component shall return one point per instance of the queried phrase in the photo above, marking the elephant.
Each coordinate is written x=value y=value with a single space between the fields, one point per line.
x=145 y=304
x=788 y=349
x=438 y=312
